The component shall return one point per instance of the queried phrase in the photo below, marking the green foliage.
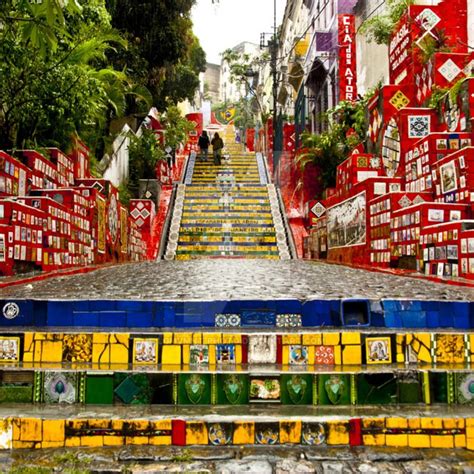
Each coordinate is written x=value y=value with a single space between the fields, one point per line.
x=379 y=28
x=144 y=154
x=346 y=128
x=176 y=126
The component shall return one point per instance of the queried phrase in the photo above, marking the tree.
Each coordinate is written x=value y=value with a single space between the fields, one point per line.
x=166 y=56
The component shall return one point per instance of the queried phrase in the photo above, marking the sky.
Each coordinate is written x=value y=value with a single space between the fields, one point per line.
x=226 y=23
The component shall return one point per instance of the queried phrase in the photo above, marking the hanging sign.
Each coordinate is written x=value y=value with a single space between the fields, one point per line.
x=347 y=58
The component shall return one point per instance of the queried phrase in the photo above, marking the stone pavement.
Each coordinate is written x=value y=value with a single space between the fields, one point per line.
x=229 y=460
x=234 y=280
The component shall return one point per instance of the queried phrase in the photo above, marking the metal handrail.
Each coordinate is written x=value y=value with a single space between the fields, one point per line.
x=289 y=233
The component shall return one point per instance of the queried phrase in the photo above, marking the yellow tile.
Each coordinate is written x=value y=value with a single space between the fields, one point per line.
x=183 y=338
x=414 y=423
x=100 y=353
x=117 y=425
x=28 y=340
x=160 y=425
x=118 y=354
x=212 y=354
x=450 y=348
x=31 y=429
x=100 y=338
x=212 y=338
x=469 y=444
x=373 y=439
x=72 y=441
x=27 y=356
x=459 y=441
x=197 y=337
x=350 y=337
x=431 y=423
x=231 y=338
x=452 y=423
x=196 y=433
x=419 y=441
x=442 y=441
x=424 y=355
x=311 y=352
x=92 y=441
x=186 y=354
x=23 y=444
x=77 y=424
x=244 y=432
x=396 y=422
x=53 y=430
x=337 y=432
x=122 y=338
x=114 y=440
x=285 y=354
x=171 y=355
x=291 y=339
x=16 y=422
x=52 y=444
x=373 y=423
x=167 y=338
x=100 y=423
x=331 y=338
x=38 y=351
x=469 y=422
x=396 y=440
x=337 y=355
x=136 y=440
x=312 y=339
x=160 y=440
x=290 y=432
x=40 y=336
x=238 y=354
x=352 y=355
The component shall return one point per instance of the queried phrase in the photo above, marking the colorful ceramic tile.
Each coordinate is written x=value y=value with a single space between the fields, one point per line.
x=199 y=354
x=77 y=348
x=438 y=387
x=378 y=350
x=262 y=349
x=194 y=389
x=145 y=351
x=265 y=389
x=449 y=348
x=267 y=433
x=232 y=389
x=127 y=390
x=376 y=388
x=222 y=320
x=334 y=389
x=465 y=388
x=99 y=389
x=288 y=320
x=313 y=434
x=296 y=389
x=9 y=349
x=298 y=355
x=418 y=126
x=225 y=353
x=324 y=355
x=409 y=387
x=220 y=434
x=60 y=387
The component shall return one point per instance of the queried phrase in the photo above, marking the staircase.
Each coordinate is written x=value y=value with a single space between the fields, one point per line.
x=228 y=210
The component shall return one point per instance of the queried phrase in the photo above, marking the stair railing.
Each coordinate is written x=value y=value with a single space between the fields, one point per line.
x=167 y=224
x=286 y=224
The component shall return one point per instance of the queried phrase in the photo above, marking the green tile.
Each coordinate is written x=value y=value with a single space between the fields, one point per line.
x=334 y=389
x=439 y=387
x=194 y=389
x=232 y=389
x=100 y=389
x=377 y=388
x=296 y=389
x=16 y=394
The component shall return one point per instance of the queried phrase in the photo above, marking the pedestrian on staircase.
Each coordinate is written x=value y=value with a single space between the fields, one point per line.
x=203 y=144
x=217 y=146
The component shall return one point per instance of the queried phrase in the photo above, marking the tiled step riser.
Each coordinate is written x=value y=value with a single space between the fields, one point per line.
x=268 y=314
x=417 y=431
x=113 y=384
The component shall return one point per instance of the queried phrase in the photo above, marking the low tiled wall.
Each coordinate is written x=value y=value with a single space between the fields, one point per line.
x=416 y=432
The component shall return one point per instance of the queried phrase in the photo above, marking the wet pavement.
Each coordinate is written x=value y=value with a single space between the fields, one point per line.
x=220 y=279
x=261 y=459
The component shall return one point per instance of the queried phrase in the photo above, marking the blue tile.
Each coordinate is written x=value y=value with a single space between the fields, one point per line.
x=183 y=321
x=60 y=313
x=432 y=319
x=24 y=313
x=139 y=320
x=85 y=318
x=113 y=318
x=355 y=312
x=390 y=305
x=446 y=314
x=393 y=319
x=40 y=312
x=461 y=316
x=82 y=305
x=102 y=305
x=258 y=318
x=130 y=306
x=169 y=315
x=288 y=307
x=413 y=319
x=377 y=319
